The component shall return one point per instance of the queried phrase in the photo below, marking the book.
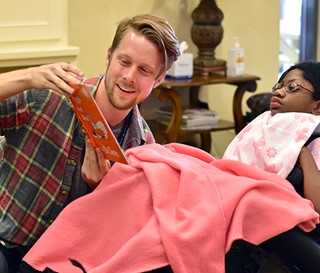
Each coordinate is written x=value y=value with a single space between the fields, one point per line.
x=188 y=113
x=94 y=123
x=192 y=118
x=187 y=127
x=199 y=121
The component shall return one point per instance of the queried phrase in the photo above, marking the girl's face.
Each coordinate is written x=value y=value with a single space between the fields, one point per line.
x=300 y=99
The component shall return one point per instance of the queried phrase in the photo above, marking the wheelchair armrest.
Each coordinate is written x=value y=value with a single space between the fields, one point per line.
x=297 y=248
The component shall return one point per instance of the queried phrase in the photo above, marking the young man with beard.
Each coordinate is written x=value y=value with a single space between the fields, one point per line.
x=47 y=161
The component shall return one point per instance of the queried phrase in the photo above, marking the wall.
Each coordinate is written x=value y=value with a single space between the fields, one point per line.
x=34 y=32
x=92 y=25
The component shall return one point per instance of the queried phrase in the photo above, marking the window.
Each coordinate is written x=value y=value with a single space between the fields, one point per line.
x=309 y=30
x=298 y=32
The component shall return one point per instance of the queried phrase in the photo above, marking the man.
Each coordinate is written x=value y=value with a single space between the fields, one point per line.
x=45 y=166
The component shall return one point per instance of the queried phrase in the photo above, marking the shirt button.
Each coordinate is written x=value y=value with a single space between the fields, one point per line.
x=83 y=131
x=72 y=162
x=64 y=193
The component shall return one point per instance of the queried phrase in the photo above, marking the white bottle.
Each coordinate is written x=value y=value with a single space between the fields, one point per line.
x=235 y=65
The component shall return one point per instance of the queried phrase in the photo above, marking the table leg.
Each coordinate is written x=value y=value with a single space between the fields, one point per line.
x=194 y=103
x=194 y=96
x=165 y=94
x=206 y=142
x=239 y=121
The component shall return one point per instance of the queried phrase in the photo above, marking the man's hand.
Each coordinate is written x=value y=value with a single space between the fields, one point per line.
x=50 y=76
x=55 y=76
x=94 y=166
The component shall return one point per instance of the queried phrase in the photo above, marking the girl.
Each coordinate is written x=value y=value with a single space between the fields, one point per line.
x=276 y=139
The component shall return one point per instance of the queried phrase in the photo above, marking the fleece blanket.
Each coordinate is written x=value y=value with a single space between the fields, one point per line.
x=273 y=143
x=174 y=204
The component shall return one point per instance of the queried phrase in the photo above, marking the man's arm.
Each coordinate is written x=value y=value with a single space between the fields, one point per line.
x=51 y=76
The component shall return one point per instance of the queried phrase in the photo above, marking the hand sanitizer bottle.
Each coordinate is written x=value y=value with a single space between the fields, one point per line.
x=235 y=65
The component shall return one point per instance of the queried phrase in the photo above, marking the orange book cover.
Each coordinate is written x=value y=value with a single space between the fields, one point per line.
x=96 y=126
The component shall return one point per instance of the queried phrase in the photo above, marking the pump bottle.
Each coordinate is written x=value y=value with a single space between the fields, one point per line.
x=235 y=65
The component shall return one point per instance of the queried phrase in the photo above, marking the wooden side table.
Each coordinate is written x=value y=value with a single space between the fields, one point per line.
x=167 y=91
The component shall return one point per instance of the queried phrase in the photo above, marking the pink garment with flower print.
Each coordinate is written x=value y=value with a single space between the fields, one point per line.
x=273 y=143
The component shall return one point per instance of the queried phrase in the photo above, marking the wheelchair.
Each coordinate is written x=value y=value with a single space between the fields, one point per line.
x=293 y=251
x=290 y=252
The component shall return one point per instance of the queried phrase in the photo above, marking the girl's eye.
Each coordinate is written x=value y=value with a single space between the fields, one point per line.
x=292 y=86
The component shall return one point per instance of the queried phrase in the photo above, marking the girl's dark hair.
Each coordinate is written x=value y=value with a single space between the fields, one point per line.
x=310 y=72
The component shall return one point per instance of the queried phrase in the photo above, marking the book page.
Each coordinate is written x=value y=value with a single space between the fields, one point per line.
x=94 y=123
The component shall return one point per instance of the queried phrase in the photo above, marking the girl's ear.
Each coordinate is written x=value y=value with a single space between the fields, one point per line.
x=316 y=109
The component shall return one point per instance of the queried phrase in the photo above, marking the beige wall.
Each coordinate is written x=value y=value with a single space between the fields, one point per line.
x=256 y=22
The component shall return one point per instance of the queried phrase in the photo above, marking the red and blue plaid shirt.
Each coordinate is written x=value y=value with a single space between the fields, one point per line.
x=43 y=144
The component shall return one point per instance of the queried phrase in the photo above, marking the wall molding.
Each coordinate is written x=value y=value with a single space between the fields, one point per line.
x=31 y=57
x=34 y=32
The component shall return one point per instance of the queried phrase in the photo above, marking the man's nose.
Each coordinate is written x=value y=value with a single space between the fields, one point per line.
x=130 y=74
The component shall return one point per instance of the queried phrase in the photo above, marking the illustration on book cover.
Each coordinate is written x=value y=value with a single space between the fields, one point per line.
x=92 y=120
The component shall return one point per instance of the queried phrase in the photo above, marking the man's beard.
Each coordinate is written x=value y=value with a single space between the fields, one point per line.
x=111 y=97
x=119 y=104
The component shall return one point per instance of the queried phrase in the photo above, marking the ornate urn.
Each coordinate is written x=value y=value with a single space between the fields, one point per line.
x=207 y=33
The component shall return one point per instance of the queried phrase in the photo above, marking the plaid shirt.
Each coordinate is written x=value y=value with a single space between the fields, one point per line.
x=43 y=144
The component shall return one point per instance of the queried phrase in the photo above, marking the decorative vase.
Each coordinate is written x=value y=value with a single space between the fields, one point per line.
x=207 y=33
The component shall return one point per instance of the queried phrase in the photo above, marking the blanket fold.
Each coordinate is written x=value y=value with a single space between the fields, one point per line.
x=175 y=205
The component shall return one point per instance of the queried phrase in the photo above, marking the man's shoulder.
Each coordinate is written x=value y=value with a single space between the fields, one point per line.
x=93 y=80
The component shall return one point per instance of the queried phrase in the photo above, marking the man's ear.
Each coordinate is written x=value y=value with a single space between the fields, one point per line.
x=160 y=79
x=108 y=56
x=316 y=109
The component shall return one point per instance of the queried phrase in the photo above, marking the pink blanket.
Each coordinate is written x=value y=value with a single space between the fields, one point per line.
x=175 y=205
